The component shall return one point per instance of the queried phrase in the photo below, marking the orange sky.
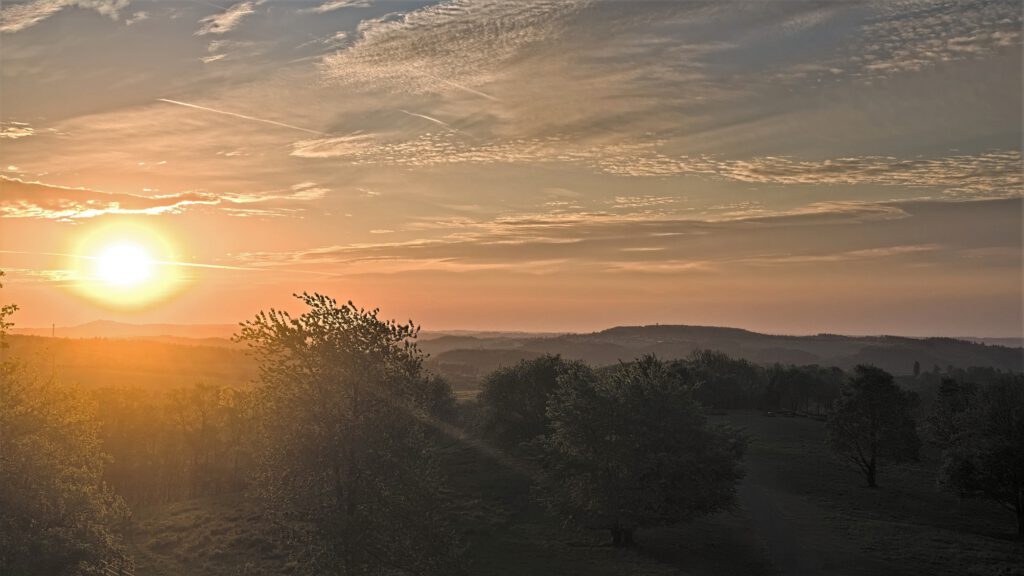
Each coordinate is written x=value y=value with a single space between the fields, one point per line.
x=784 y=167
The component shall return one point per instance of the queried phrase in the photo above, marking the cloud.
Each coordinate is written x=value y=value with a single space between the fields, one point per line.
x=833 y=234
x=21 y=199
x=910 y=36
x=136 y=17
x=227 y=20
x=17 y=17
x=994 y=173
x=332 y=5
x=457 y=44
x=15 y=130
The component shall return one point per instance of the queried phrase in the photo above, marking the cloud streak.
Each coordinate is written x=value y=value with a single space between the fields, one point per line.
x=35 y=200
x=817 y=235
x=242 y=116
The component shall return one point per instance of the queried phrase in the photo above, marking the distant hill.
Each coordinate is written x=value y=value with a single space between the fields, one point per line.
x=167 y=355
x=220 y=334
x=470 y=358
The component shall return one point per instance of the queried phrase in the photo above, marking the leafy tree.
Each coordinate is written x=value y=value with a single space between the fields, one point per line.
x=871 y=422
x=630 y=448
x=944 y=419
x=56 y=515
x=514 y=400
x=724 y=382
x=984 y=455
x=343 y=458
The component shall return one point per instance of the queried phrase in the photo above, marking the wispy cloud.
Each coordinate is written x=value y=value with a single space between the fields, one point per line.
x=15 y=130
x=912 y=36
x=998 y=173
x=35 y=200
x=457 y=44
x=22 y=199
x=332 y=5
x=226 y=20
x=17 y=17
x=839 y=233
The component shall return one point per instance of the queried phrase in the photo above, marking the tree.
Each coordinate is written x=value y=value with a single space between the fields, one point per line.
x=343 y=456
x=514 y=400
x=945 y=417
x=871 y=422
x=724 y=382
x=630 y=448
x=984 y=449
x=56 y=515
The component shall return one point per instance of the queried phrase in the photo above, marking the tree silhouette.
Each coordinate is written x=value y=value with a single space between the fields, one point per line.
x=344 y=460
x=514 y=400
x=871 y=422
x=56 y=515
x=984 y=448
x=631 y=448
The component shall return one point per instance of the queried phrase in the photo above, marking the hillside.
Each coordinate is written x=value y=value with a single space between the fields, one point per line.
x=94 y=362
x=464 y=358
x=475 y=357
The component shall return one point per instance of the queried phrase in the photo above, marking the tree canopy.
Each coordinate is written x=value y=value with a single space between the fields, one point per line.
x=630 y=448
x=514 y=400
x=984 y=443
x=871 y=422
x=57 y=517
x=343 y=455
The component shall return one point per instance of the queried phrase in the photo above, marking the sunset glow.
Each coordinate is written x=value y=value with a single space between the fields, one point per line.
x=789 y=167
x=124 y=265
x=127 y=267
x=489 y=287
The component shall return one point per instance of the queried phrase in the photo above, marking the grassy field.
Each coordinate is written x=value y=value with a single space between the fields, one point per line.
x=799 y=512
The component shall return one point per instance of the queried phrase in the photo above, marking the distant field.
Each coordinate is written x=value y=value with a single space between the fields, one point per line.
x=100 y=362
x=800 y=512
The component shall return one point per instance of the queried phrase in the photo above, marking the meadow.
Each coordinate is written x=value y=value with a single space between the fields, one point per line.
x=800 y=511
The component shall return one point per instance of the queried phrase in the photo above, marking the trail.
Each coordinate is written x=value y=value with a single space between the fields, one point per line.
x=800 y=536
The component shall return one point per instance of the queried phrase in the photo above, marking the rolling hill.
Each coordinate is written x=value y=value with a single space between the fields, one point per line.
x=172 y=355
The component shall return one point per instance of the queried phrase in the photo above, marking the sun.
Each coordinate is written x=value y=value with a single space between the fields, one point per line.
x=127 y=266
x=124 y=265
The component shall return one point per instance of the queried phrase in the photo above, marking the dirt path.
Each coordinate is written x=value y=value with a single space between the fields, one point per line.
x=800 y=536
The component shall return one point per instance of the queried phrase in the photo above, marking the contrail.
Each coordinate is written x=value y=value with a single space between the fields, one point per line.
x=429 y=119
x=176 y=263
x=461 y=87
x=242 y=116
x=160 y=262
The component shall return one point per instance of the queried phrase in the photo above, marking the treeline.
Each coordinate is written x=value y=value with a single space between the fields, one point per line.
x=169 y=445
x=976 y=422
x=338 y=441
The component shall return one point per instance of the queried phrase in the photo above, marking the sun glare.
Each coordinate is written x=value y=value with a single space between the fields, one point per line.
x=124 y=265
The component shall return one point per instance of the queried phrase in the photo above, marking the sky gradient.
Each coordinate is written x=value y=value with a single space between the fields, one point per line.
x=787 y=167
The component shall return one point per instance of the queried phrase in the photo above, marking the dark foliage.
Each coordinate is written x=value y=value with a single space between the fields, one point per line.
x=982 y=431
x=343 y=458
x=513 y=401
x=630 y=448
x=871 y=422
